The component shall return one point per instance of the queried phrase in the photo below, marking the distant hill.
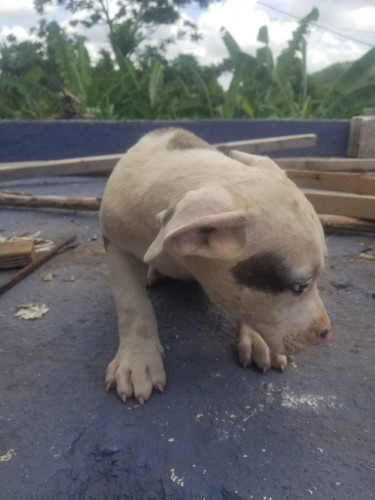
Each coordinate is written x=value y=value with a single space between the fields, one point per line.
x=329 y=75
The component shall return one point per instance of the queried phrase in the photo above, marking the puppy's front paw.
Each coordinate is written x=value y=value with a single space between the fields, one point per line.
x=136 y=369
x=252 y=347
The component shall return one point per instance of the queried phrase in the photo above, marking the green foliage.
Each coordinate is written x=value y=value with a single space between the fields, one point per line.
x=129 y=83
x=353 y=90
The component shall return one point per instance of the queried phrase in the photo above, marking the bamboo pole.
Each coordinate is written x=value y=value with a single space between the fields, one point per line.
x=339 y=223
x=62 y=202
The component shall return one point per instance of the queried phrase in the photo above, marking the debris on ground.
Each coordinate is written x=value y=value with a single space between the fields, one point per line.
x=32 y=310
x=367 y=253
x=40 y=244
x=48 y=277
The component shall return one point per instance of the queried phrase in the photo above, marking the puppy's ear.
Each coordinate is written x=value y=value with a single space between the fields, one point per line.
x=263 y=162
x=203 y=224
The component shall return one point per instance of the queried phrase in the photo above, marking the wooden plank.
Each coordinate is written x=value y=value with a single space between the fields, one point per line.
x=105 y=163
x=334 y=181
x=361 y=139
x=327 y=164
x=257 y=146
x=350 y=205
x=91 y=164
x=353 y=142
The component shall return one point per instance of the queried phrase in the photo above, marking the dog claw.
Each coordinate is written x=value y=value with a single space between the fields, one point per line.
x=123 y=397
x=159 y=387
x=141 y=400
x=108 y=386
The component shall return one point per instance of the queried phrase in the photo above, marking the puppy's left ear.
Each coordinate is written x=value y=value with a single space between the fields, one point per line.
x=218 y=236
x=199 y=228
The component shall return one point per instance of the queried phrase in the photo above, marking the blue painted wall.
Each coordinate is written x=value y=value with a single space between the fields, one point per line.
x=48 y=140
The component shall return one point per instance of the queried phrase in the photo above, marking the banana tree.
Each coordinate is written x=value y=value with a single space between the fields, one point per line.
x=352 y=91
x=262 y=88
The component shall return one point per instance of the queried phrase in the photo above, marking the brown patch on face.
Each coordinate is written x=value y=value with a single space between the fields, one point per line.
x=142 y=331
x=265 y=271
x=161 y=131
x=186 y=140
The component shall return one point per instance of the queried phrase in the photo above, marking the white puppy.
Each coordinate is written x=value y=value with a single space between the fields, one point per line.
x=237 y=225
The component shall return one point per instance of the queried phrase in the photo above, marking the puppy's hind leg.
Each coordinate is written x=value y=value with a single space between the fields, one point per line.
x=137 y=366
x=252 y=347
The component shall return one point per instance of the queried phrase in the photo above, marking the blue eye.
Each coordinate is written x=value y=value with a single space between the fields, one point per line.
x=298 y=288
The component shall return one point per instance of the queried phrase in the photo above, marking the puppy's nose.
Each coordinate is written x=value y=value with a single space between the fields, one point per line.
x=325 y=335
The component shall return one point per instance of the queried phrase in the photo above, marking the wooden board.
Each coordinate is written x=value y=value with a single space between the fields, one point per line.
x=350 y=205
x=15 y=254
x=341 y=223
x=362 y=137
x=257 y=146
x=91 y=164
x=105 y=163
x=334 y=181
x=327 y=164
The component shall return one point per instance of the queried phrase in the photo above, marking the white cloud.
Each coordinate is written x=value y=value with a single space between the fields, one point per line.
x=242 y=18
x=19 y=32
x=15 y=5
x=17 y=17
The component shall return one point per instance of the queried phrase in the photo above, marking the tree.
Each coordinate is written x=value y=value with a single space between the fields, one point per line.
x=132 y=22
x=24 y=89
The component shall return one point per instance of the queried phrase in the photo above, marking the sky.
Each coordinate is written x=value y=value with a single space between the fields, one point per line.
x=345 y=31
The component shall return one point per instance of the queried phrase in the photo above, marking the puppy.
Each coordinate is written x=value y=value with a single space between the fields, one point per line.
x=237 y=225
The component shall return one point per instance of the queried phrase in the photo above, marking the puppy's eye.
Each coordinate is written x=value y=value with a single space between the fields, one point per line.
x=298 y=288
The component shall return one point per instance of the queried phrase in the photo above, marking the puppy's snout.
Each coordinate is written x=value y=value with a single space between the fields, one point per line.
x=325 y=335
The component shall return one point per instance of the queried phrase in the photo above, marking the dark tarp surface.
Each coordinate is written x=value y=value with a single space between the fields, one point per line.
x=218 y=432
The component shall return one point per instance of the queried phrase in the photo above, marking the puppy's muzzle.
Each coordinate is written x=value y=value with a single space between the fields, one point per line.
x=324 y=335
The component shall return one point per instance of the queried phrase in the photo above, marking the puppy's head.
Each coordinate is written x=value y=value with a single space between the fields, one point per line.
x=257 y=252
